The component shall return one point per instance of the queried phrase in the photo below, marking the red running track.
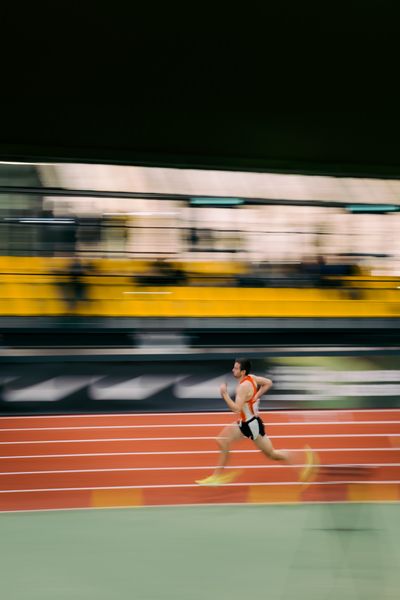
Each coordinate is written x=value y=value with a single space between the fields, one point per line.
x=82 y=461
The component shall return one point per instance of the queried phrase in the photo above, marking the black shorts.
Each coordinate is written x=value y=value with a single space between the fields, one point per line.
x=252 y=428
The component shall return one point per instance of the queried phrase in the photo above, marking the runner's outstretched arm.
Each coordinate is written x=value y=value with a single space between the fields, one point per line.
x=241 y=397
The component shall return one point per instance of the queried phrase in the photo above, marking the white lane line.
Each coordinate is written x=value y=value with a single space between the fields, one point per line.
x=200 y=413
x=175 y=425
x=194 y=505
x=122 y=454
x=186 y=453
x=120 y=427
x=195 y=468
x=194 y=485
x=96 y=440
x=157 y=439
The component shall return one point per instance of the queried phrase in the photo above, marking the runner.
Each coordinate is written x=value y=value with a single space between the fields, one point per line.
x=248 y=393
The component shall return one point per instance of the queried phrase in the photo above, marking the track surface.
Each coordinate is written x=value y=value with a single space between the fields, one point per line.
x=80 y=461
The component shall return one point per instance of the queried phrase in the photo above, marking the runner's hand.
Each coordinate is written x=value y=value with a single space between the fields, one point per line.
x=223 y=388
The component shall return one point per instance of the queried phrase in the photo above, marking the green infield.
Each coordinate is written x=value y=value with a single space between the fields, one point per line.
x=277 y=552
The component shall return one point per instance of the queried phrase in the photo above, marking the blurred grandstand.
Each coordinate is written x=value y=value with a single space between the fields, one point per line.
x=118 y=241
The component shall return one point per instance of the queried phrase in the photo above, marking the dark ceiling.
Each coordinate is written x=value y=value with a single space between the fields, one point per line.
x=286 y=90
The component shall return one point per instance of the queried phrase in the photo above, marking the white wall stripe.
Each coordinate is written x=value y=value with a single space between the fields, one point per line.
x=200 y=413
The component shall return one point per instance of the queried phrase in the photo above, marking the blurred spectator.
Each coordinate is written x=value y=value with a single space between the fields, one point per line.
x=313 y=270
x=193 y=239
x=329 y=273
x=163 y=272
x=74 y=285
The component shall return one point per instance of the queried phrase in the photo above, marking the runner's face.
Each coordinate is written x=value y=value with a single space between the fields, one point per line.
x=237 y=372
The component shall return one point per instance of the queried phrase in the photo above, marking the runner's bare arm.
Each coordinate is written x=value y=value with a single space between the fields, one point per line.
x=241 y=396
x=264 y=385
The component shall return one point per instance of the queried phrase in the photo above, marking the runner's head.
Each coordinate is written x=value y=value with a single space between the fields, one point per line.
x=241 y=368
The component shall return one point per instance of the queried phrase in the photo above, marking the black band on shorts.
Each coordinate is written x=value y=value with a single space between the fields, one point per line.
x=252 y=428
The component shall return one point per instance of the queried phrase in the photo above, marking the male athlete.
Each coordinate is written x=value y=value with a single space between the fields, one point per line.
x=248 y=393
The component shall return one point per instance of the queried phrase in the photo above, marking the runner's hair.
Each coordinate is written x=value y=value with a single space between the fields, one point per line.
x=245 y=364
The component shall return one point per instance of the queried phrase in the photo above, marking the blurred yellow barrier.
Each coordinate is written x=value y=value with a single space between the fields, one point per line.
x=118 y=299
x=38 y=286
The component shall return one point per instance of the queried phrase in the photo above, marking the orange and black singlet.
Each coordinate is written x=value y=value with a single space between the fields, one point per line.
x=250 y=423
x=250 y=407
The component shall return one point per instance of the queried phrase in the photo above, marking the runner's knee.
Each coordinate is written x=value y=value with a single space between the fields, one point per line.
x=273 y=454
x=223 y=443
x=277 y=455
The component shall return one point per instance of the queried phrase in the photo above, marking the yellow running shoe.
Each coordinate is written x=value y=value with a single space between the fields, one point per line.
x=221 y=479
x=311 y=465
x=210 y=480
x=227 y=477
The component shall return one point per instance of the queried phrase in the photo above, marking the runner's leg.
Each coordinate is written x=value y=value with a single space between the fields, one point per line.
x=225 y=439
x=311 y=460
x=266 y=447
